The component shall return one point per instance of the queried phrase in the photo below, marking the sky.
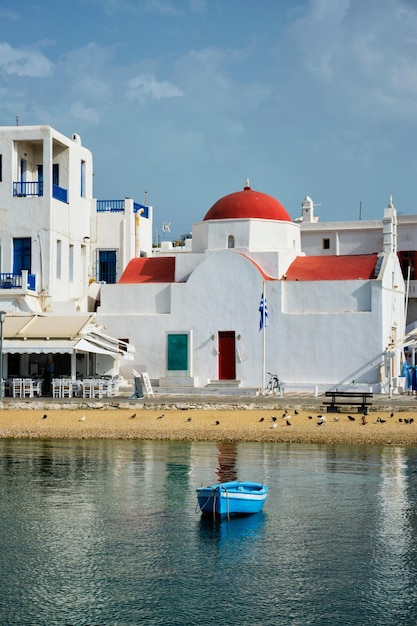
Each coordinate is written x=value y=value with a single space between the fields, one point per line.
x=180 y=101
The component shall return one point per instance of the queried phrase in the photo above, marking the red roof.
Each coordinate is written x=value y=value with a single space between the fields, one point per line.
x=247 y=204
x=352 y=267
x=152 y=270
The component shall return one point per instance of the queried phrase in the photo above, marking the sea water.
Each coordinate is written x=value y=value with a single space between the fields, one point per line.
x=107 y=533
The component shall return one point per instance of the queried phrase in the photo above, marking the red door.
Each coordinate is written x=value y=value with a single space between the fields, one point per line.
x=227 y=355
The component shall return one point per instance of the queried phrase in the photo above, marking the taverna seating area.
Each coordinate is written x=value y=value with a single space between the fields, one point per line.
x=87 y=388
x=63 y=387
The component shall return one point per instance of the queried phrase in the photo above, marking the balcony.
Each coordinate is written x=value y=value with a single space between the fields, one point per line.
x=119 y=206
x=26 y=189
x=59 y=193
x=23 y=281
x=30 y=189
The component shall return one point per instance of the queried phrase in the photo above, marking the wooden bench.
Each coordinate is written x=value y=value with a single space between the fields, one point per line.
x=348 y=398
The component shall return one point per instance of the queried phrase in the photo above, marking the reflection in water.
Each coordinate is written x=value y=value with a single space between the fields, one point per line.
x=226 y=462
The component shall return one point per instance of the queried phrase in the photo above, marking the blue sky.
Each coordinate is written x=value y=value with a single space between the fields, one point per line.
x=185 y=99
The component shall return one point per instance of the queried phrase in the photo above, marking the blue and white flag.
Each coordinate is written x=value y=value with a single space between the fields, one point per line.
x=263 y=310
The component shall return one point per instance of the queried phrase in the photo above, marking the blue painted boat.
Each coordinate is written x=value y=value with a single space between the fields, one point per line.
x=232 y=499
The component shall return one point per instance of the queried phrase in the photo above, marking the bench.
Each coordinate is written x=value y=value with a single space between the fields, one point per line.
x=348 y=398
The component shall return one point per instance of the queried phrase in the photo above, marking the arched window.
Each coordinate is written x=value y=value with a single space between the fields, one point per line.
x=230 y=241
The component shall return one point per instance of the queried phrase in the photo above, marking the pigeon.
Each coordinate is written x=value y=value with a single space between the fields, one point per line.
x=400 y=419
x=336 y=419
x=382 y=421
x=411 y=420
x=273 y=418
x=295 y=412
x=310 y=417
x=217 y=422
x=392 y=414
x=133 y=416
x=288 y=422
x=82 y=419
x=44 y=416
x=320 y=423
x=262 y=419
x=322 y=418
x=160 y=416
x=352 y=419
x=406 y=420
x=274 y=425
x=189 y=419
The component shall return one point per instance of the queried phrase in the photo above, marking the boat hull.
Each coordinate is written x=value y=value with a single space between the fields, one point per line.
x=232 y=499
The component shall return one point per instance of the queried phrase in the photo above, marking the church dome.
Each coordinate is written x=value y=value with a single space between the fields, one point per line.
x=248 y=204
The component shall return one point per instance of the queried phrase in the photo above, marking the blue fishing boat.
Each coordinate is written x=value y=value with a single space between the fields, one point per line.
x=232 y=499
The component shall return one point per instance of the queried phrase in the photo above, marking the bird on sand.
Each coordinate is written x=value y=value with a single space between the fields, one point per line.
x=320 y=423
x=352 y=419
x=44 y=416
x=274 y=425
x=288 y=422
x=411 y=420
x=262 y=419
x=392 y=414
x=217 y=422
x=273 y=418
x=406 y=420
x=310 y=417
x=82 y=419
x=364 y=420
x=295 y=412
x=336 y=419
x=400 y=419
x=132 y=416
x=160 y=416
x=189 y=419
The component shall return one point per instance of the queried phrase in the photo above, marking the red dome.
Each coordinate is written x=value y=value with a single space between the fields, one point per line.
x=247 y=204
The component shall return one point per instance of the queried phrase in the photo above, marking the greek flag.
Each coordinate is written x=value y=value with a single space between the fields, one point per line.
x=263 y=310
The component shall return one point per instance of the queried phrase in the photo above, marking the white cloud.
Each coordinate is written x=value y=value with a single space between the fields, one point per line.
x=146 y=87
x=23 y=62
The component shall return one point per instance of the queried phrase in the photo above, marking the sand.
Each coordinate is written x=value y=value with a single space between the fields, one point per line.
x=200 y=425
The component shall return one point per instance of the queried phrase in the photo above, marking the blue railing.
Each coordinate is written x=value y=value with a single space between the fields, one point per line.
x=59 y=193
x=24 y=189
x=8 y=280
x=141 y=207
x=112 y=206
x=118 y=206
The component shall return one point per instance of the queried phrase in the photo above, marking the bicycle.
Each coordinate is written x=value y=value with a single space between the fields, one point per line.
x=273 y=387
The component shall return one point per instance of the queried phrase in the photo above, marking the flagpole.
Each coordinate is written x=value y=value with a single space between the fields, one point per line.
x=263 y=337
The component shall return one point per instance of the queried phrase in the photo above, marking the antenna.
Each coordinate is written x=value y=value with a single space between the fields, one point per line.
x=360 y=210
x=145 y=199
x=17 y=120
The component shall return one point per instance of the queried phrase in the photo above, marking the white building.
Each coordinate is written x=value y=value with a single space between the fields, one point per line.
x=194 y=315
x=58 y=245
x=364 y=237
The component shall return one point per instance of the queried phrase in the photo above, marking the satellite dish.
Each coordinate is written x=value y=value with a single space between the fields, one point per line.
x=166 y=227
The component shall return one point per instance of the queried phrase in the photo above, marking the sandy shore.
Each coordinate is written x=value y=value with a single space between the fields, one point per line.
x=200 y=425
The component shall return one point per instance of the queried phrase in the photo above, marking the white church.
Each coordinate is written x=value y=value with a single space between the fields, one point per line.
x=82 y=285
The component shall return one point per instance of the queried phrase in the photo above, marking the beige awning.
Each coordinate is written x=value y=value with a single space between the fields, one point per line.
x=60 y=334
x=46 y=326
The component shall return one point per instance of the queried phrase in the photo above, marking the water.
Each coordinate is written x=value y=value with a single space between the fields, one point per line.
x=106 y=533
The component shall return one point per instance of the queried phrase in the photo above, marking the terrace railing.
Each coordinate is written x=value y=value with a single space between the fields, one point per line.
x=9 y=280
x=59 y=193
x=119 y=206
x=24 y=189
